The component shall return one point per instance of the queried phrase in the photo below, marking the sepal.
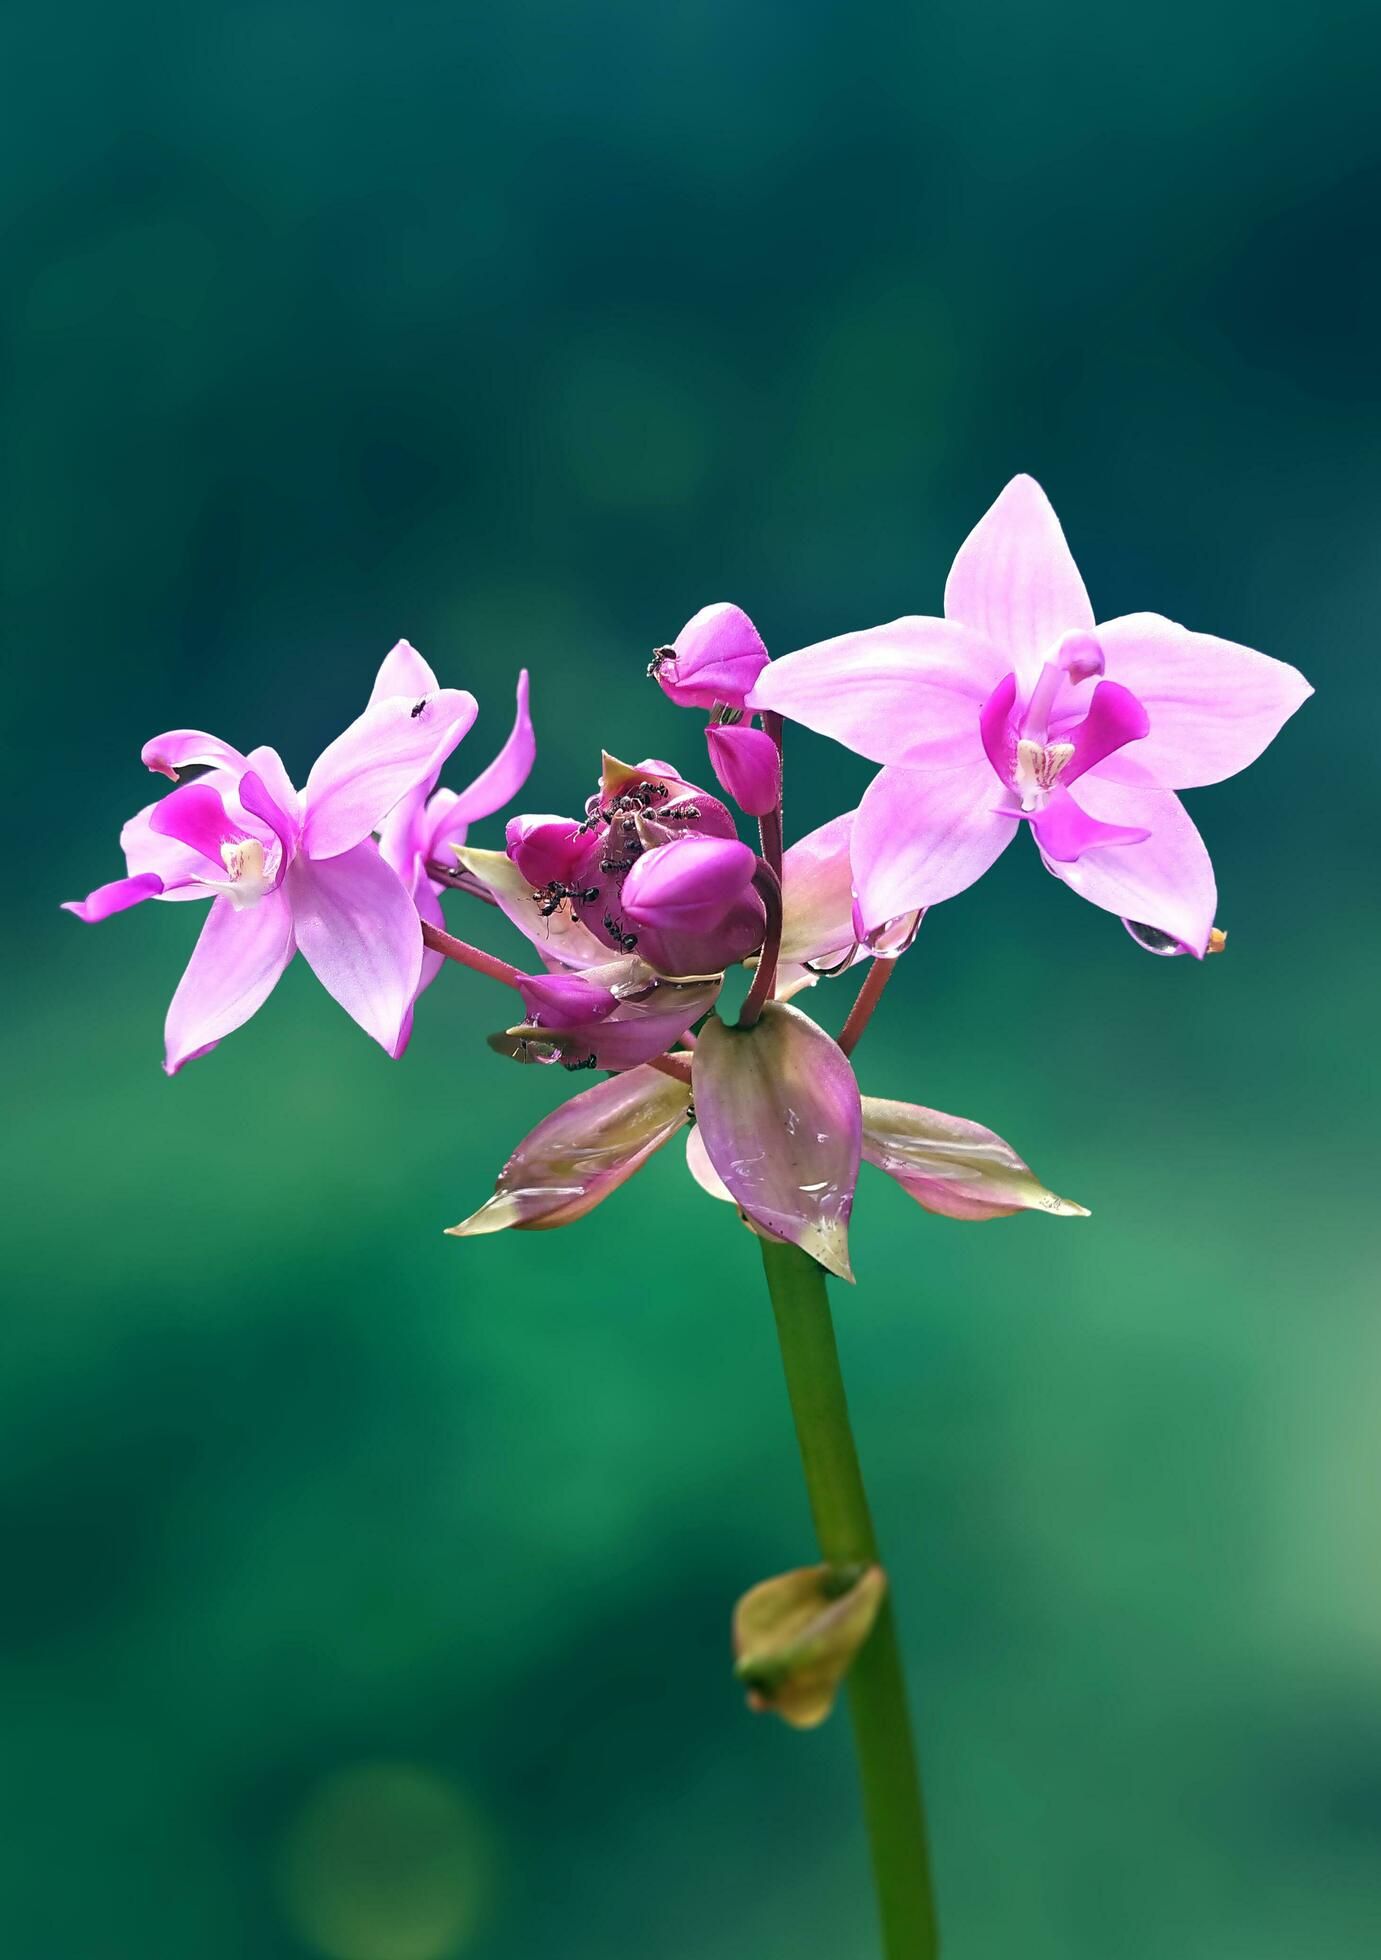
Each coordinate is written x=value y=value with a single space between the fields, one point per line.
x=796 y=1637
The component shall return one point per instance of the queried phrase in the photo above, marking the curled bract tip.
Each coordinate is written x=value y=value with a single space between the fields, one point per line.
x=795 y=1637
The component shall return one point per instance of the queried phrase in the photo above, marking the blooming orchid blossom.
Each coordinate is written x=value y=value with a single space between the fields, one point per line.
x=1017 y=709
x=288 y=872
x=425 y=825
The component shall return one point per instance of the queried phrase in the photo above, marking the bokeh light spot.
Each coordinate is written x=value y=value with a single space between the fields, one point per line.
x=386 y=1861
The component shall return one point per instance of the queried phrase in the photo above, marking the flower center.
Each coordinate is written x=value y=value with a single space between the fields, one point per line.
x=243 y=858
x=1038 y=768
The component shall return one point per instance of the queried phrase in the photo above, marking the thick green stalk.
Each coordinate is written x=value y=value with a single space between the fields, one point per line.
x=877 y=1692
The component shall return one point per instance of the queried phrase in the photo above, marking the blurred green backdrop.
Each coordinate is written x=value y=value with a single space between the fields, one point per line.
x=366 y=1592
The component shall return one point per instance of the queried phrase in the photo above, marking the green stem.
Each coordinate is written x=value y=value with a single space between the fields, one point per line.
x=877 y=1692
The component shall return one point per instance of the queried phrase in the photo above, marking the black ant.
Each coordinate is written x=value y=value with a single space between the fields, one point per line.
x=574 y=1068
x=627 y=940
x=659 y=655
x=607 y=865
x=416 y=711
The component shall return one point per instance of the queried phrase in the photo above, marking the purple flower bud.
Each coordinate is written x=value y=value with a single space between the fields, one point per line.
x=689 y=884
x=546 y=849
x=716 y=657
x=747 y=764
x=564 y=1000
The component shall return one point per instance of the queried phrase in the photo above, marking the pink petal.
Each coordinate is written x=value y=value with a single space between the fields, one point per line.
x=494 y=786
x=267 y=765
x=403 y=671
x=581 y=1153
x=953 y=1166
x=255 y=799
x=358 y=930
x=181 y=869
x=923 y=835
x=702 y=1170
x=394 y=746
x=907 y=692
x=717 y=656
x=404 y=831
x=189 y=748
x=995 y=728
x=1015 y=581
x=1213 y=705
x=817 y=896
x=778 y=1110
x=564 y=1000
x=117 y=896
x=748 y=765
x=1166 y=881
x=1115 y=717
x=196 y=816
x=233 y=969
x=1064 y=831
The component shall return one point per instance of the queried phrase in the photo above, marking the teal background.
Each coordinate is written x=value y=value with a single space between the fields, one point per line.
x=524 y=332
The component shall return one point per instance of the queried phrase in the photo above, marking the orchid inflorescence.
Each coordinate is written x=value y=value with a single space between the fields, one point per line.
x=1014 y=709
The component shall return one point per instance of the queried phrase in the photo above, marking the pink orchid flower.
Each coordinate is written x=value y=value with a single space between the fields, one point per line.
x=1016 y=709
x=288 y=872
x=422 y=829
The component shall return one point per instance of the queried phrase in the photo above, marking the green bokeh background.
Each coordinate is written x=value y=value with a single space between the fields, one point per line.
x=366 y=1592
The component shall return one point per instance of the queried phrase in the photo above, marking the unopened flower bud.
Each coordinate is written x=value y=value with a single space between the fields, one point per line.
x=689 y=884
x=795 y=1637
x=564 y=1000
x=748 y=764
x=716 y=657
x=545 y=849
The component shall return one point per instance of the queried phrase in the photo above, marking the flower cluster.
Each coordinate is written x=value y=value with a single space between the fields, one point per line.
x=1013 y=709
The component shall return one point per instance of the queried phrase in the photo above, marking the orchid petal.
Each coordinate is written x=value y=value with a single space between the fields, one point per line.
x=564 y=1000
x=924 y=835
x=392 y=748
x=1115 y=717
x=1165 y=882
x=188 y=748
x=559 y=937
x=907 y=692
x=748 y=764
x=1064 y=831
x=118 y=896
x=995 y=727
x=581 y=1153
x=716 y=657
x=358 y=931
x=256 y=800
x=196 y=816
x=1015 y=581
x=779 y=1111
x=234 y=968
x=181 y=869
x=702 y=1170
x=267 y=765
x=402 y=671
x=1213 y=705
x=952 y=1166
x=817 y=897
x=494 y=786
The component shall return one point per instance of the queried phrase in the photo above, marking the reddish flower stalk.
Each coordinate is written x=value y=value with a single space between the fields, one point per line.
x=869 y=994
x=770 y=827
x=768 y=886
x=471 y=956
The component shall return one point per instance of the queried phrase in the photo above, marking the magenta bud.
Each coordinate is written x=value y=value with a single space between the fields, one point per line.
x=545 y=849
x=689 y=884
x=747 y=764
x=716 y=657
x=564 y=1000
